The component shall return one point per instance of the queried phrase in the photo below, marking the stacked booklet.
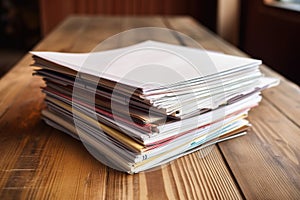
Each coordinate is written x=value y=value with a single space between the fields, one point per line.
x=144 y=105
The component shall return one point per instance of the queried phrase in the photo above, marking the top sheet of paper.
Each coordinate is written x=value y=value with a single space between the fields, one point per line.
x=150 y=64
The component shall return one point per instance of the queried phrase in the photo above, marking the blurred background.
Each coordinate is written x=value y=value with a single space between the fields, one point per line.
x=265 y=29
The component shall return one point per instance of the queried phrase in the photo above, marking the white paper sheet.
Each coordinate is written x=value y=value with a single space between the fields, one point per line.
x=150 y=64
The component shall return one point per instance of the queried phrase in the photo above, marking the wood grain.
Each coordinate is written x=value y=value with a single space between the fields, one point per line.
x=39 y=162
x=265 y=162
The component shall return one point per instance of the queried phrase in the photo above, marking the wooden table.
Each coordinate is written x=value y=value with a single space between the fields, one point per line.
x=39 y=162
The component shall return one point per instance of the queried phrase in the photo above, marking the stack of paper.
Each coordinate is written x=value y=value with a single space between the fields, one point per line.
x=136 y=122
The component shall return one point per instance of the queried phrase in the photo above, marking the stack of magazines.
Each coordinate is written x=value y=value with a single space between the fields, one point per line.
x=144 y=105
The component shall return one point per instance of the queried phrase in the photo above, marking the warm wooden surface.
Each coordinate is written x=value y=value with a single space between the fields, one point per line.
x=39 y=162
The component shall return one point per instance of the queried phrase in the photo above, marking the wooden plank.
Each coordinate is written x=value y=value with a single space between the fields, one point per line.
x=265 y=162
x=40 y=162
x=190 y=177
x=10 y=87
x=285 y=96
x=154 y=26
x=200 y=34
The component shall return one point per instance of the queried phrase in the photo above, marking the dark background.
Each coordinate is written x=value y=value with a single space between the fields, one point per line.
x=268 y=33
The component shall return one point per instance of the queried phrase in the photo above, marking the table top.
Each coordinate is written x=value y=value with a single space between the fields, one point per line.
x=40 y=162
